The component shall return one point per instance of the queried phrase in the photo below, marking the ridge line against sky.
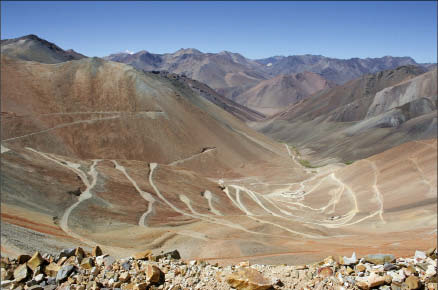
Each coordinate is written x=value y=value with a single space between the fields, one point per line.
x=256 y=30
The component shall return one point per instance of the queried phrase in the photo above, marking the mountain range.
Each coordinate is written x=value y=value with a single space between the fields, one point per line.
x=265 y=85
x=362 y=117
x=241 y=79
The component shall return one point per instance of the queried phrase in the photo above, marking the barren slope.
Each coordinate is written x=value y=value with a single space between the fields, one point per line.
x=362 y=117
x=280 y=217
x=97 y=109
x=228 y=73
x=239 y=111
x=274 y=95
x=31 y=47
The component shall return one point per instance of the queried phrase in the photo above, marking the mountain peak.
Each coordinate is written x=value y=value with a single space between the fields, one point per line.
x=27 y=37
x=182 y=51
x=33 y=48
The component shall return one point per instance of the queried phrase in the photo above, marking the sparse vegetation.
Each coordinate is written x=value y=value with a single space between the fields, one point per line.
x=297 y=152
x=306 y=163
x=349 y=162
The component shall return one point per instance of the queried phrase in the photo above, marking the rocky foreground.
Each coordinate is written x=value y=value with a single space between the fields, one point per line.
x=76 y=269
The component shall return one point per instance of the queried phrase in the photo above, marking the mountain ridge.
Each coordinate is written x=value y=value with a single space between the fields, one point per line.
x=273 y=95
x=32 y=47
x=362 y=117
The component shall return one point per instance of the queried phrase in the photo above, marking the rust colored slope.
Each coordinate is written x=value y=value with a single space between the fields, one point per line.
x=88 y=108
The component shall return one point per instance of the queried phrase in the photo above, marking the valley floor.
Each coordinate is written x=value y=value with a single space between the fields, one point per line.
x=279 y=212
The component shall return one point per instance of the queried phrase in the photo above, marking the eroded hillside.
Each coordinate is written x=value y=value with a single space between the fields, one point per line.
x=361 y=118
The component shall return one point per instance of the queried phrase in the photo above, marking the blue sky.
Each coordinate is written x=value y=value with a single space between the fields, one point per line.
x=254 y=29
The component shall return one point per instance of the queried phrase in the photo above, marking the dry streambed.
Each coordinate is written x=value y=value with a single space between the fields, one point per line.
x=77 y=269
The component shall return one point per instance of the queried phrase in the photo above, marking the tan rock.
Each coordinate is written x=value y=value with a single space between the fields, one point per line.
x=153 y=273
x=244 y=264
x=388 y=279
x=97 y=251
x=70 y=261
x=23 y=259
x=413 y=282
x=124 y=277
x=140 y=286
x=362 y=285
x=61 y=261
x=71 y=280
x=117 y=284
x=410 y=270
x=21 y=272
x=432 y=286
x=329 y=260
x=339 y=259
x=248 y=279
x=64 y=286
x=360 y=268
x=51 y=269
x=325 y=272
x=348 y=270
x=35 y=261
x=126 y=286
x=374 y=280
x=144 y=255
x=87 y=263
x=93 y=285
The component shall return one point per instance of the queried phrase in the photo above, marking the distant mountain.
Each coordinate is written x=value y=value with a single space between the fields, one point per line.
x=429 y=66
x=199 y=66
x=336 y=70
x=273 y=95
x=222 y=70
x=350 y=102
x=362 y=117
x=33 y=48
x=241 y=112
x=235 y=77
